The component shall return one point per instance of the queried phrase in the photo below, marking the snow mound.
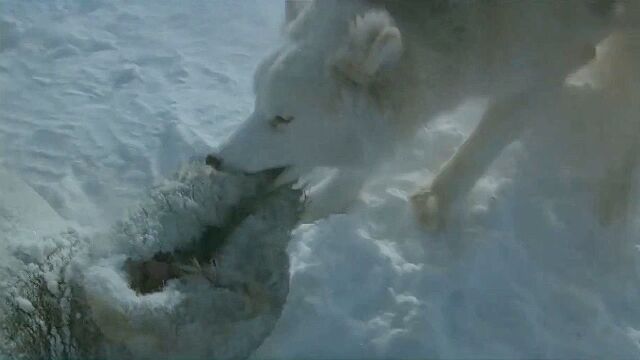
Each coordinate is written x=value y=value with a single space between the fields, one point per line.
x=524 y=269
x=198 y=270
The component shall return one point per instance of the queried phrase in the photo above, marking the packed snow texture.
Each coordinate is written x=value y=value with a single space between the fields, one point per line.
x=81 y=299
x=99 y=99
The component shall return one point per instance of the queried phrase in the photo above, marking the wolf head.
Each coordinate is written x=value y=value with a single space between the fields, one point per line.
x=313 y=94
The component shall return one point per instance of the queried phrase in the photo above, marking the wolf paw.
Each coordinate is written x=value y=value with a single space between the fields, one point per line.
x=428 y=208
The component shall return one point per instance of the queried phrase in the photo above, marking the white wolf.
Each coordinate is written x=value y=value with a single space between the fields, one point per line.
x=354 y=77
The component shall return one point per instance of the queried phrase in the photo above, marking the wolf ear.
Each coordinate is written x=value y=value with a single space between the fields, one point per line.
x=374 y=44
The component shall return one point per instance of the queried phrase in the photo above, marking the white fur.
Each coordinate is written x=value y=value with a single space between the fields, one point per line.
x=64 y=295
x=356 y=77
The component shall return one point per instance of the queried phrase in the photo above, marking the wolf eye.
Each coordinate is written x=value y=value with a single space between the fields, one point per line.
x=278 y=120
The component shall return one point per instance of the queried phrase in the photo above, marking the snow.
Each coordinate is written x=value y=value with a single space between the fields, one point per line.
x=372 y=284
x=99 y=100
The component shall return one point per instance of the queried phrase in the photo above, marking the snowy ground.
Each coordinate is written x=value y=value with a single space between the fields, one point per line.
x=100 y=99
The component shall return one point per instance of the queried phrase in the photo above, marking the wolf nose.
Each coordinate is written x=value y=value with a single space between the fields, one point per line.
x=213 y=161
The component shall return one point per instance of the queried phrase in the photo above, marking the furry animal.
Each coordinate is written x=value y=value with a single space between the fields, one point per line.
x=149 y=288
x=353 y=78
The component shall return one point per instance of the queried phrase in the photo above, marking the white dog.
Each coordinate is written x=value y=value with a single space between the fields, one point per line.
x=352 y=78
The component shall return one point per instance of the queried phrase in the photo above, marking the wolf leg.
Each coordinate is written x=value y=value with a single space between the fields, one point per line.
x=498 y=127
